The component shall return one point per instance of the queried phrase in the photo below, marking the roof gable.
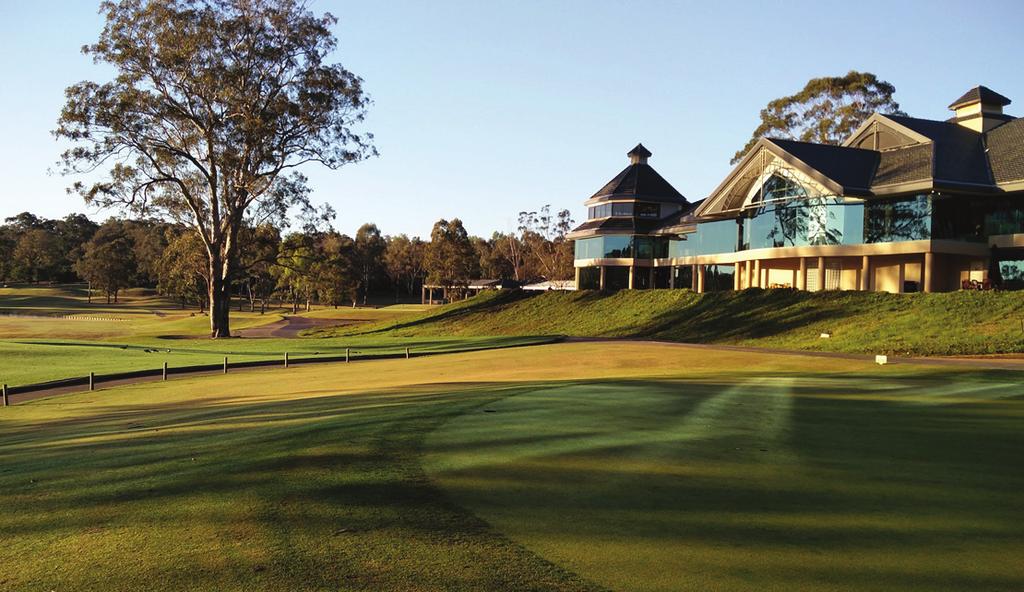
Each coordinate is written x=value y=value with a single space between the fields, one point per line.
x=839 y=170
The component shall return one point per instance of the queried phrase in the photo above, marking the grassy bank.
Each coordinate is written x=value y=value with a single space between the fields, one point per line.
x=956 y=323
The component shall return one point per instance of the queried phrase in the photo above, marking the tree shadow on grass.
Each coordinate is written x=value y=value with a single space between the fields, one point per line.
x=851 y=479
x=329 y=491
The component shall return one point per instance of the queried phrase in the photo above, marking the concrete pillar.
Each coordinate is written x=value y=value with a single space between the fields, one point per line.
x=672 y=278
x=700 y=279
x=928 y=272
x=757 y=273
x=577 y=270
x=600 y=282
x=423 y=294
x=903 y=277
x=693 y=277
x=801 y=275
x=736 y=276
x=821 y=274
x=750 y=274
x=632 y=271
x=865 y=273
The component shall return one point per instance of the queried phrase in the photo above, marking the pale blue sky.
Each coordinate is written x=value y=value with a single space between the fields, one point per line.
x=483 y=109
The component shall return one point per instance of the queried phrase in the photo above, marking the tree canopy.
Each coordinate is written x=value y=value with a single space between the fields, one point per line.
x=451 y=259
x=826 y=110
x=213 y=105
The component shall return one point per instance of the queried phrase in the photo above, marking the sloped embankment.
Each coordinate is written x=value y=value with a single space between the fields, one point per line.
x=956 y=323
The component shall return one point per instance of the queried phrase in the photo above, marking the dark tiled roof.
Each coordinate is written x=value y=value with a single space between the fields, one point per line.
x=913 y=163
x=619 y=225
x=958 y=153
x=1006 y=151
x=850 y=167
x=640 y=181
x=680 y=218
x=980 y=93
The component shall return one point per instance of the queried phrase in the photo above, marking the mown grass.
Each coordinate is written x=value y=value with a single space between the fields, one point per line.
x=579 y=466
x=35 y=361
x=39 y=343
x=956 y=323
x=64 y=312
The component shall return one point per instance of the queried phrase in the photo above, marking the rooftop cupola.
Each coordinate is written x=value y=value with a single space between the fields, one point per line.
x=638 y=155
x=980 y=109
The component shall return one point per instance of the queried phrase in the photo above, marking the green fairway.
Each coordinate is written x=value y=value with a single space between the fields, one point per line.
x=30 y=362
x=769 y=483
x=54 y=333
x=579 y=466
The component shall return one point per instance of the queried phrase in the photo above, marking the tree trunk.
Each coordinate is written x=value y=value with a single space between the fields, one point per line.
x=220 y=300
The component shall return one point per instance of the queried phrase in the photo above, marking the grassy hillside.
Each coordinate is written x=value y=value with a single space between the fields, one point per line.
x=956 y=323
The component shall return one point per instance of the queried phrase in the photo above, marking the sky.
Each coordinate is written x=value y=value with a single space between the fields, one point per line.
x=485 y=109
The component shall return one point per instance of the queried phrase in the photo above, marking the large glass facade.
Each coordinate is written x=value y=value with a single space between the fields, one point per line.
x=711 y=237
x=798 y=223
x=826 y=221
x=895 y=220
x=975 y=218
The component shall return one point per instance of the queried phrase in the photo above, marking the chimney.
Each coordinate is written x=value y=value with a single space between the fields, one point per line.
x=980 y=109
x=638 y=155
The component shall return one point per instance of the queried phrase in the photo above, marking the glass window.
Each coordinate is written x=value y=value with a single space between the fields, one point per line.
x=622 y=246
x=682 y=276
x=589 y=248
x=779 y=187
x=601 y=211
x=811 y=221
x=894 y=220
x=718 y=278
x=618 y=246
x=642 y=278
x=590 y=278
x=661 y=277
x=644 y=248
x=648 y=210
x=622 y=209
x=616 y=278
x=710 y=238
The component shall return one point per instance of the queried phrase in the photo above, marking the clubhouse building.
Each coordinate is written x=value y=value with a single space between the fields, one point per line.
x=903 y=205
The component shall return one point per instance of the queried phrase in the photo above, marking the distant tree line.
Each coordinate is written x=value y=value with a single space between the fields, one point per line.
x=296 y=268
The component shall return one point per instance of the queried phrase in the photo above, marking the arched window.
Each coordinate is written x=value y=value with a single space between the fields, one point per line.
x=779 y=187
